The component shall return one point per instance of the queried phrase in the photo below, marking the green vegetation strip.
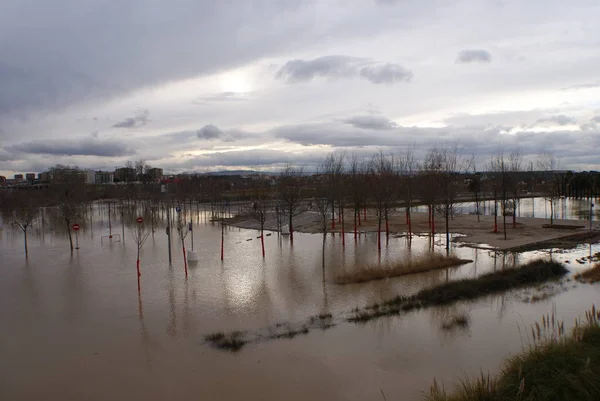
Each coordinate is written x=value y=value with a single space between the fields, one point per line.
x=535 y=272
x=557 y=367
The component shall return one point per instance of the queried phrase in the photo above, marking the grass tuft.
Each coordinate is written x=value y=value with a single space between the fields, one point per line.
x=428 y=262
x=535 y=272
x=233 y=341
x=590 y=276
x=558 y=366
x=460 y=321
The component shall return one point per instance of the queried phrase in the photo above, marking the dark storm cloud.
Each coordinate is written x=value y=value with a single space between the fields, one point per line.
x=324 y=67
x=386 y=73
x=342 y=67
x=478 y=140
x=255 y=157
x=72 y=55
x=371 y=122
x=209 y=131
x=77 y=147
x=133 y=122
x=474 y=56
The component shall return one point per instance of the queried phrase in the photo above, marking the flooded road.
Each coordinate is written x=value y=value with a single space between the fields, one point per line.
x=74 y=326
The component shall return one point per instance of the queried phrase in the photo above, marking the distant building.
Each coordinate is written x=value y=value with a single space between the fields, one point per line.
x=104 y=177
x=155 y=173
x=90 y=176
x=30 y=177
x=18 y=177
x=124 y=174
x=2 y=180
x=45 y=176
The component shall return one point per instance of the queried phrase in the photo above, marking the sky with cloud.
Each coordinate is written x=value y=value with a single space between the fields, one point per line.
x=195 y=85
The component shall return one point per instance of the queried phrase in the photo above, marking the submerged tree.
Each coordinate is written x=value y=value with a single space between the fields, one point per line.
x=548 y=163
x=500 y=167
x=140 y=235
x=382 y=179
x=262 y=206
x=291 y=191
x=357 y=171
x=475 y=187
x=23 y=217
x=68 y=183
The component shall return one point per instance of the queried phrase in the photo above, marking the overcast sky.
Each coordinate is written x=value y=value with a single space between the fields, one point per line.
x=209 y=85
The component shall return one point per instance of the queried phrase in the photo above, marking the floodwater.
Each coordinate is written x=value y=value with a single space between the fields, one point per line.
x=73 y=326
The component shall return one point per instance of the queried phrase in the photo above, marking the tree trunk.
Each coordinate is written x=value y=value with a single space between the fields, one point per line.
x=222 y=240
x=70 y=236
x=432 y=222
x=342 y=222
x=447 y=227
x=387 y=225
x=379 y=234
x=332 y=215
x=504 y=219
x=355 y=228
x=26 y=250
x=291 y=228
x=262 y=238
x=138 y=268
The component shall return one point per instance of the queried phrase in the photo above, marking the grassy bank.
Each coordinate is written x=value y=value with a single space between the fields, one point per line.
x=557 y=367
x=590 y=276
x=535 y=272
x=419 y=264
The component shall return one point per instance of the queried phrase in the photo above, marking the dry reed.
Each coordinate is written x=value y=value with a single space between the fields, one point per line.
x=590 y=276
x=424 y=263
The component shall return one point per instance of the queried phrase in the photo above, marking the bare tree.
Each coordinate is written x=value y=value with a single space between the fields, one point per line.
x=357 y=180
x=322 y=204
x=23 y=217
x=500 y=167
x=548 y=163
x=382 y=180
x=446 y=167
x=475 y=186
x=515 y=161
x=69 y=192
x=408 y=166
x=182 y=229
x=140 y=235
x=290 y=191
x=262 y=206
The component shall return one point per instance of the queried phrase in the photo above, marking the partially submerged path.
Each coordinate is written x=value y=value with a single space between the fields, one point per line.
x=529 y=232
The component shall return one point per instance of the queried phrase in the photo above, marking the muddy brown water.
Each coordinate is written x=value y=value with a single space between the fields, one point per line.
x=73 y=326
